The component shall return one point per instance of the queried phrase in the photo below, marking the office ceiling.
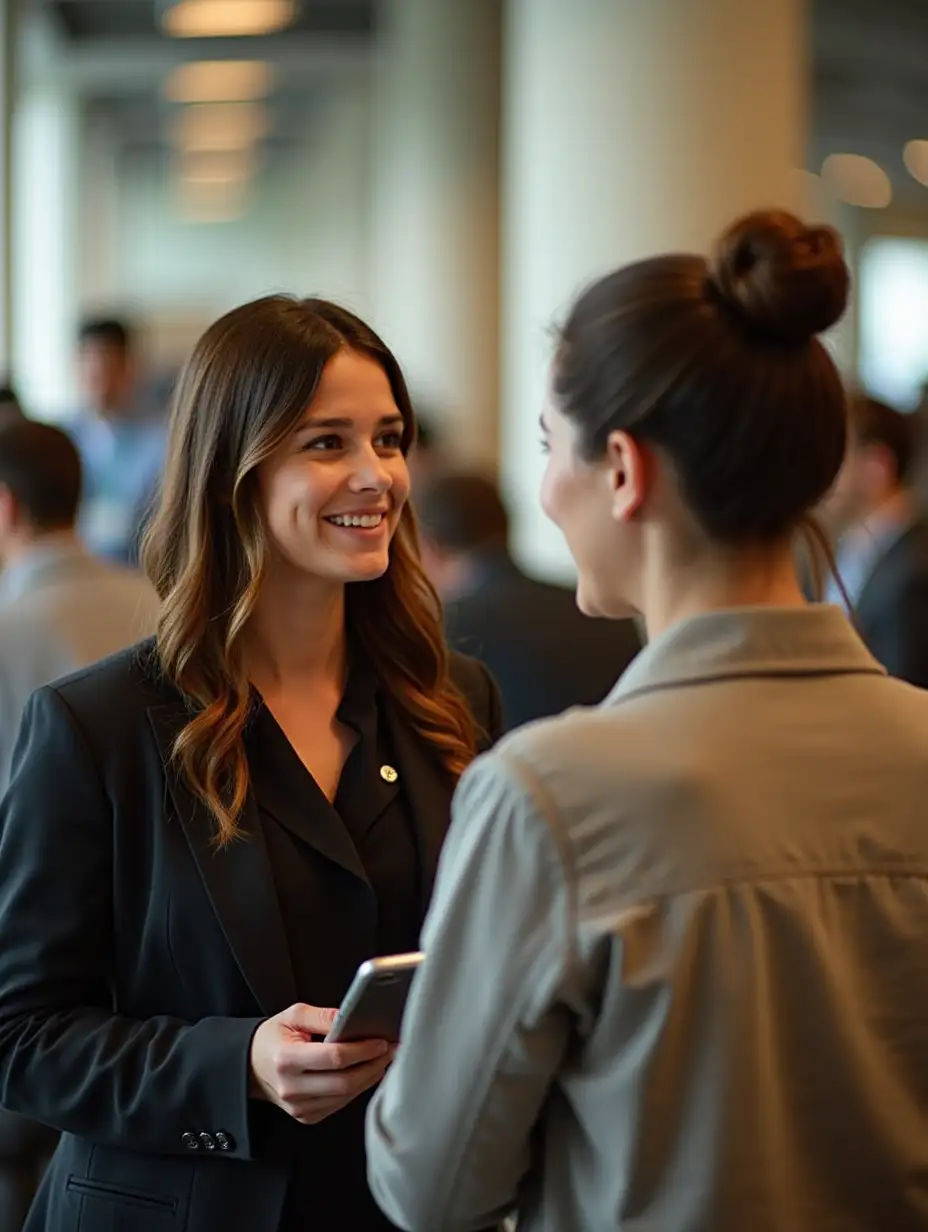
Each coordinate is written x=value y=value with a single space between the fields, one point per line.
x=870 y=84
x=116 y=54
x=84 y=20
x=869 y=68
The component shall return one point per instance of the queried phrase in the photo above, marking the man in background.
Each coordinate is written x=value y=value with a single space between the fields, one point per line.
x=882 y=539
x=120 y=443
x=60 y=607
x=544 y=653
x=426 y=459
x=10 y=406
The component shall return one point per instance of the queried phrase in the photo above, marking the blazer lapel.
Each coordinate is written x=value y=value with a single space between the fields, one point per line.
x=428 y=789
x=238 y=880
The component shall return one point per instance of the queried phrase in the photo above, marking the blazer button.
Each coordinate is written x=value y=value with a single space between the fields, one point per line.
x=225 y=1142
x=207 y=1142
x=190 y=1141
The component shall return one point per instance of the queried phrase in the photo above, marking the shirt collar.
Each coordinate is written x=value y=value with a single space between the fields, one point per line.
x=751 y=641
x=47 y=556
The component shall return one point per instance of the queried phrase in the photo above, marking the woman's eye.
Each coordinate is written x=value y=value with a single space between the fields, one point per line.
x=544 y=445
x=391 y=440
x=324 y=443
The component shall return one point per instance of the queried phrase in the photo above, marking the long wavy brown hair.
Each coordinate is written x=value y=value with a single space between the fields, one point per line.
x=244 y=390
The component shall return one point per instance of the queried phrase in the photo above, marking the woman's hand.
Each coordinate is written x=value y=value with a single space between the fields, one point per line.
x=310 y=1080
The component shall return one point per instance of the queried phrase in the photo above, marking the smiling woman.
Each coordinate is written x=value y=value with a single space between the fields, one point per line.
x=297 y=389
x=165 y=1014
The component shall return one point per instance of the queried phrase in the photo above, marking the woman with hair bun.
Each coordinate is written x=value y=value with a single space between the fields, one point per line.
x=207 y=834
x=678 y=943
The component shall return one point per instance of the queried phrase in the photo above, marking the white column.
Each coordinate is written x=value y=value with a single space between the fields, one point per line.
x=632 y=128
x=436 y=210
x=8 y=37
x=98 y=204
x=45 y=234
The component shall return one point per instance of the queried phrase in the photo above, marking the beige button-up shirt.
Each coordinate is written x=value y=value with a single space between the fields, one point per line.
x=61 y=609
x=677 y=959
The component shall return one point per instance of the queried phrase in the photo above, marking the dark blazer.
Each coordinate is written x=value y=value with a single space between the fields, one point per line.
x=892 y=611
x=137 y=960
x=544 y=654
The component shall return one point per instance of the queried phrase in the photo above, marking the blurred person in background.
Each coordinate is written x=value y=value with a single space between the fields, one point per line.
x=882 y=538
x=205 y=836
x=60 y=607
x=675 y=962
x=427 y=456
x=544 y=654
x=11 y=410
x=121 y=442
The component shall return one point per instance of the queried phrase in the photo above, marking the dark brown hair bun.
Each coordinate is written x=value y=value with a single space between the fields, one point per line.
x=781 y=278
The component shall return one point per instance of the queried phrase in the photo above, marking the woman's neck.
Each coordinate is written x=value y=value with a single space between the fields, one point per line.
x=296 y=633
x=720 y=580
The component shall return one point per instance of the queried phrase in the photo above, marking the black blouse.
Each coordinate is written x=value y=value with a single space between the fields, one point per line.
x=328 y=1187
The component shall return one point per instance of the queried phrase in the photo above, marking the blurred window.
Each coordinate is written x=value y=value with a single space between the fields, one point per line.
x=893 y=308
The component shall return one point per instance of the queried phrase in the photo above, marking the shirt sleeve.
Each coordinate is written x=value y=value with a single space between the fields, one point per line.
x=449 y=1132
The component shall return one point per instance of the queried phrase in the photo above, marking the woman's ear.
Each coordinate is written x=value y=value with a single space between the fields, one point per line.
x=627 y=468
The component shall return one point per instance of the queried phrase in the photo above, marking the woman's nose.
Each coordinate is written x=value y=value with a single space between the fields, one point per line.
x=371 y=474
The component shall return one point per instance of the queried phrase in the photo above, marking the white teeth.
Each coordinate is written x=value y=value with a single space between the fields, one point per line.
x=367 y=520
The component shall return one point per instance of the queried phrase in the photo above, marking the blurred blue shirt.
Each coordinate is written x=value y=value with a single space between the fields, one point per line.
x=123 y=459
x=861 y=548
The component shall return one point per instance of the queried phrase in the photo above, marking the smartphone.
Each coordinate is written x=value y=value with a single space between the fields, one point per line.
x=373 y=1005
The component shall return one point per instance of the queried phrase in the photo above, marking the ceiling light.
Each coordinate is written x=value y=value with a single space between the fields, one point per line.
x=220 y=126
x=856 y=180
x=219 y=81
x=915 y=157
x=205 y=203
x=810 y=197
x=227 y=18
x=216 y=166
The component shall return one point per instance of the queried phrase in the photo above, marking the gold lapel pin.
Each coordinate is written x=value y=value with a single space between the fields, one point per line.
x=388 y=774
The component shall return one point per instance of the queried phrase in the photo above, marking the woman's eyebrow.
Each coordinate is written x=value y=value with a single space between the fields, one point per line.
x=384 y=422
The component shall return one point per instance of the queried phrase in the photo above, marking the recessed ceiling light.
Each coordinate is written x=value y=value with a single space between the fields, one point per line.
x=220 y=126
x=210 y=203
x=227 y=18
x=915 y=157
x=216 y=166
x=219 y=81
x=810 y=196
x=856 y=180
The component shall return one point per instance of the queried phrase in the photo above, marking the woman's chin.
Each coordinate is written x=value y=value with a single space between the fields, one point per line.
x=366 y=569
x=612 y=607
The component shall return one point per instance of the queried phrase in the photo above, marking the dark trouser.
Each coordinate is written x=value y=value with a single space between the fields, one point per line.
x=25 y=1149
